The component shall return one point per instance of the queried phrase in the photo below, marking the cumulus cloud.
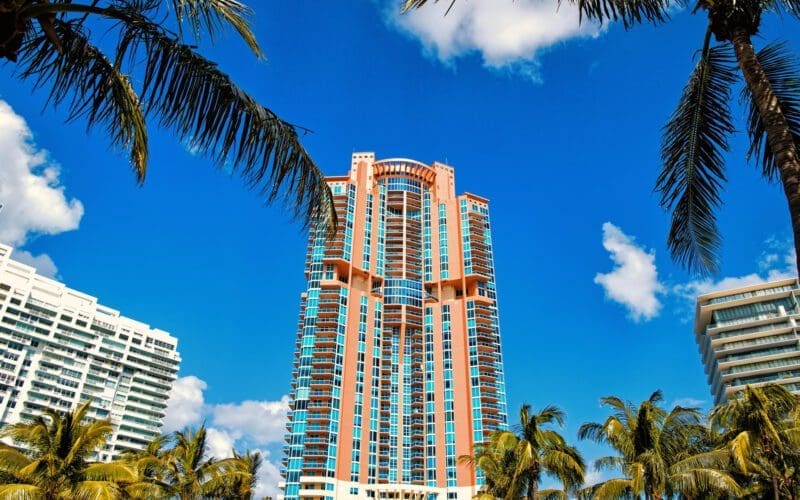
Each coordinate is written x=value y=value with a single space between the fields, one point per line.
x=258 y=421
x=253 y=425
x=507 y=35
x=219 y=443
x=43 y=263
x=634 y=280
x=185 y=405
x=777 y=262
x=595 y=476
x=33 y=198
x=269 y=475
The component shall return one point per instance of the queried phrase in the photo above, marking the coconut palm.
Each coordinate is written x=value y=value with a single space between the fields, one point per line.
x=761 y=431
x=696 y=136
x=152 y=73
x=54 y=461
x=192 y=474
x=515 y=463
x=497 y=461
x=659 y=452
x=237 y=476
x=151 y=466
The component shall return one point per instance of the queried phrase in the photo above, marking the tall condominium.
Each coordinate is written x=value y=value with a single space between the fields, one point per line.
x=398 y=369
x=749 y=336
x=60 y=348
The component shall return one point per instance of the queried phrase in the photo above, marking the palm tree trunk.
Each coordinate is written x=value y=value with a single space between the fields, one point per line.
x=779 y=135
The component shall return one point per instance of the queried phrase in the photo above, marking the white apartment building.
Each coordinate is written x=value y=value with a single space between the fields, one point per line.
x=749 y=336
x=59 y=348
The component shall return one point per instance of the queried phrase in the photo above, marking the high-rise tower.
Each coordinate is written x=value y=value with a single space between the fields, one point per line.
x=749 y=336
x=398 y=369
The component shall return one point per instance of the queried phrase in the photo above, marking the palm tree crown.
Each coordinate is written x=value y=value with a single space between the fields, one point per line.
x=660 y=452
x=760 y=428
x=54 y=461
x=514 y=464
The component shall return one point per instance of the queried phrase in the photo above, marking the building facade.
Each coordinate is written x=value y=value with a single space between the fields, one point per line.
x=398 y=369
x=60 y=348
x=749 y=336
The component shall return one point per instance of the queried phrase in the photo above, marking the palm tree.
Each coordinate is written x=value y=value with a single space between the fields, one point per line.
x=527 y=456
x=696 y=136
x=761 y=431
x=237 y=477
x=194 y=475
x=151 y=466
x=54 y=459
x=497 y=460
x=52 y=44
x=658 y=452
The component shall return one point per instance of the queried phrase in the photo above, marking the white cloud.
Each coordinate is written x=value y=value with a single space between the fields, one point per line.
x=595 y=476
x=219 y=444
x=269 y=475
x=185 y=405
x=33 y=198
x=43 y=263
x=507 y=34
x=778 y=262
x=253 y=425
x=634 y=280
x=688 y=403
x=260 y=422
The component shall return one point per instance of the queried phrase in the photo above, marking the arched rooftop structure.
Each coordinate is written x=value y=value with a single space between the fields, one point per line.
x=404 y=167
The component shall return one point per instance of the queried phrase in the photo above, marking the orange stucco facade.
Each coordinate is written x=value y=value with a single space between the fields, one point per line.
x=398 y=368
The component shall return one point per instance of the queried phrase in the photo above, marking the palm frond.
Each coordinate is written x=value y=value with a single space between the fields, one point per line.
x=705 y=483
x=210 y=16
x=790 y=6
x=113 y=471
x=11 y=459
x=20 y=492
x=95 y=88
x=416 y=4
x=96 y=490
x=612 y=489
x=693 y=171
x=552 y=494
x=203 y=106
x=781 y=68
x=630 y=12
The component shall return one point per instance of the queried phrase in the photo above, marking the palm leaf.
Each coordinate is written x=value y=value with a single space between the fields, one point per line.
x=416 y=4
x=211 y=16
x=20 y=492
x=693 y=171
x=205 y=108
x=781 y=68
x=630 y=12
x=95 y=88
x=96 y=490
x=188 y=94
x=612 y=489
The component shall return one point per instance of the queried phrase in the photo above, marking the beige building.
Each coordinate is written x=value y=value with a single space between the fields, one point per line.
x=749 y=336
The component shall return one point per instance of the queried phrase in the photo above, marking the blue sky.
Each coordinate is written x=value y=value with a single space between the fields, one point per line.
x=558 y=126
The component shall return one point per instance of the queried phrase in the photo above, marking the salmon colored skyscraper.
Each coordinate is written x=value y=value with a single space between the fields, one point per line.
x=398 y=369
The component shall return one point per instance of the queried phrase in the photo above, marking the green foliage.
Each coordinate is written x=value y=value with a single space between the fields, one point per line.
x=54 y=461
x=515 y=463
